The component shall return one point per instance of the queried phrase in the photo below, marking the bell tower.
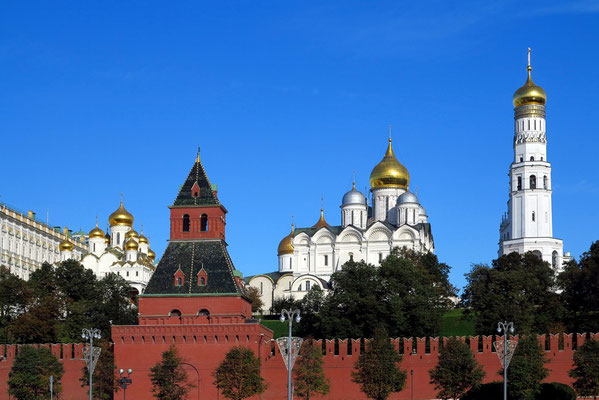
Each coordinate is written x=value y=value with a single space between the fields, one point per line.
x=528 y=224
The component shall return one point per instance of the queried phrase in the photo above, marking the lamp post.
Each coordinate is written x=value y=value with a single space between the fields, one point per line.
x=289 y=315
x=90 y=334
x=505 y=327
x=125 y=381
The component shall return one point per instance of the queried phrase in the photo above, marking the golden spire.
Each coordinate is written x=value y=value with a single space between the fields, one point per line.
x=389 y=172
x=198 y=156
x=529 y=93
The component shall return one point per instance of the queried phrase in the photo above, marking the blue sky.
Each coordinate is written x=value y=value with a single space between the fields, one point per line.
x=286 y=99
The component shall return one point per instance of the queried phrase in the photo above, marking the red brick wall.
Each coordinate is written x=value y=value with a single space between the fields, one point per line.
x=204 y=347
x=216 y=222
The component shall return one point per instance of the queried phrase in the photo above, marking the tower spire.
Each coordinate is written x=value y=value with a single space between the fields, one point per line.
x=198 y=156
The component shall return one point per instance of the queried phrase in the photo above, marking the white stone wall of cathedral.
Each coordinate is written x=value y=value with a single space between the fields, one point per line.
x=354 y=214
x=383 y=200
x=97 y=246
x=117 y=235
x=25 y=244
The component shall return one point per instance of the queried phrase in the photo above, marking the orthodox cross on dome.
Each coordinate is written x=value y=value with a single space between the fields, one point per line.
x=529 y=56
x=354 y=180
x=389 y=132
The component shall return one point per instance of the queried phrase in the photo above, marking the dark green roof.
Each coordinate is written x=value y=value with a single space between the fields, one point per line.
x=311 y=231
x=191 y=256
x=206 y=195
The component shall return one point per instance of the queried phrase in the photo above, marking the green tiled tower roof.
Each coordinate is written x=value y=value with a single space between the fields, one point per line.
x=206 y=194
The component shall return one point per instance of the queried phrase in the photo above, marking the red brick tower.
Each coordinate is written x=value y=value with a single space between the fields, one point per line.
x=194 y=300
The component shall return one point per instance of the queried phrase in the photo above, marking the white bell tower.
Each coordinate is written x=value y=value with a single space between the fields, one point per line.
x=528 y=224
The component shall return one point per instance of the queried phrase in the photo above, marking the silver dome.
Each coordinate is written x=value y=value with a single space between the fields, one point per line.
x=407 y=197
x=353 y=197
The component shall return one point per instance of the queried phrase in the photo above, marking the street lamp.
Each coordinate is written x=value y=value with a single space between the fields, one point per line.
x=285 y=314
x=505 y=327
x=90 y=334
x=125 y=381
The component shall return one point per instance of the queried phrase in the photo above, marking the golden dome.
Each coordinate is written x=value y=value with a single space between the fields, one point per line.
x=389 y=172
x=96 y=233
x=151 y=255
x=66 y=245
x=121 y=217
x=529 y=93
x=106 y=240
x=286 y=244
x=143 y=239
x=132 y=234
x=321 y=222
x=131 y=244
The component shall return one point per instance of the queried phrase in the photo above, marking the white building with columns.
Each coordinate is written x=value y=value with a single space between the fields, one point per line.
x=123 y=251
x=368 y=232
x=528 y=223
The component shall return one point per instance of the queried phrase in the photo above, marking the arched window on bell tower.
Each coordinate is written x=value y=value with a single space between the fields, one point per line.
x=204 y=223
x=533 y=182
x=545 y=182
x=186 y=223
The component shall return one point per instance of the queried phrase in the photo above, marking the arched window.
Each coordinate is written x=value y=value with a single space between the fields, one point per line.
x=307 y=286
x=533 y=182
x=554 y=259
x=532 y=158
x=545 y=182
x=203 y=312
x=118 y=238
x=186 y=223
x=533 y=216
x=174 y=313
x=204 y=223
x=202 y=281
x=179 y=281
x=261 y=287
x=519 y=183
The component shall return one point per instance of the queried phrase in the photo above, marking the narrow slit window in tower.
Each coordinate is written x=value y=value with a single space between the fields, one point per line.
x=533 y=216
x=186 y=223
x=204 y=223
x=533 y=182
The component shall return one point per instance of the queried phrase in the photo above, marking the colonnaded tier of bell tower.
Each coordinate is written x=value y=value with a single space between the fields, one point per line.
x=528 y=223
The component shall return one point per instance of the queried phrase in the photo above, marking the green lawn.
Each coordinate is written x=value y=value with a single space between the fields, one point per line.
x=453 y=325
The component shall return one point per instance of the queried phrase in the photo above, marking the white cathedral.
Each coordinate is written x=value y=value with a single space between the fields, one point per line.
x=528 y=223
x=123 y=251
x=309 y=256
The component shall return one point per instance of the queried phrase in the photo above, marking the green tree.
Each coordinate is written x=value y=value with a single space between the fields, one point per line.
x=309 y=375
x=255 y=297
x=168 y=377
x=40 y=324
x=29 y=378
x=238 y=375
x=288 y=303
x=112 y=304
x=457 y=370
x=586 y=369
x=580 y=285
x=519 y=288
x=377 y=372
x=311 y=324
x=526 y=369
x=14 y=296
x=104 y=383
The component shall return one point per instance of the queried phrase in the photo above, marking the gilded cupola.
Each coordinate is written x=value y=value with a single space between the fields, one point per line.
x=96 y=232
x=66 y=245
x=121 y=217
x=131 y=244
x=529 y=93
x=132 y=234
x=151 y=255
x=286 y=244
x=389 y=173
x=143 y=239
x=321 y=222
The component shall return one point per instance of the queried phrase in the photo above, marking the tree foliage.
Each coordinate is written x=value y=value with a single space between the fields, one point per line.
x=526 y=370
x=586 y=369
x=255 y=297
x=309 y=374
x=408 y=293
x=238 y=375
x=29 y=378
x=518 y=288
x=580 y=285
x=457 y=370
x=104 y=383
x=169 y=379
x=377 y=371
x=59 y=301
x=287 y=303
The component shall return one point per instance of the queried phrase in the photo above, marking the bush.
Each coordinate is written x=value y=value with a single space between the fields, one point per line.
x=487 y=391
x=556 y=391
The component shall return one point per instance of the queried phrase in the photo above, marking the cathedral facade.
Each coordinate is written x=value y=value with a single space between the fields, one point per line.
x=528 y=223
x=308 y=256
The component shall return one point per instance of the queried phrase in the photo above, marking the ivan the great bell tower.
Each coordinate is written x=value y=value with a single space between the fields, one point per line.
x=528 y=224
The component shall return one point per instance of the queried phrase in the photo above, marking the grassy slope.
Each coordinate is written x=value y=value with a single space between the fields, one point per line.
x=453 y=325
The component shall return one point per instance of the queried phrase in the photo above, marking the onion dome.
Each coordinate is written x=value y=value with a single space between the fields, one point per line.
x=407 y=197
x=151 y=255
x=143 y=239
x=529 y=93
x=132 y=234
x=131 y=244
x=96 y=232
x=121 y=217
x=66 y=245
x=353 y=197
x=321 y=222
x=107 y=240
x=389 y=173
x=286 y=244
